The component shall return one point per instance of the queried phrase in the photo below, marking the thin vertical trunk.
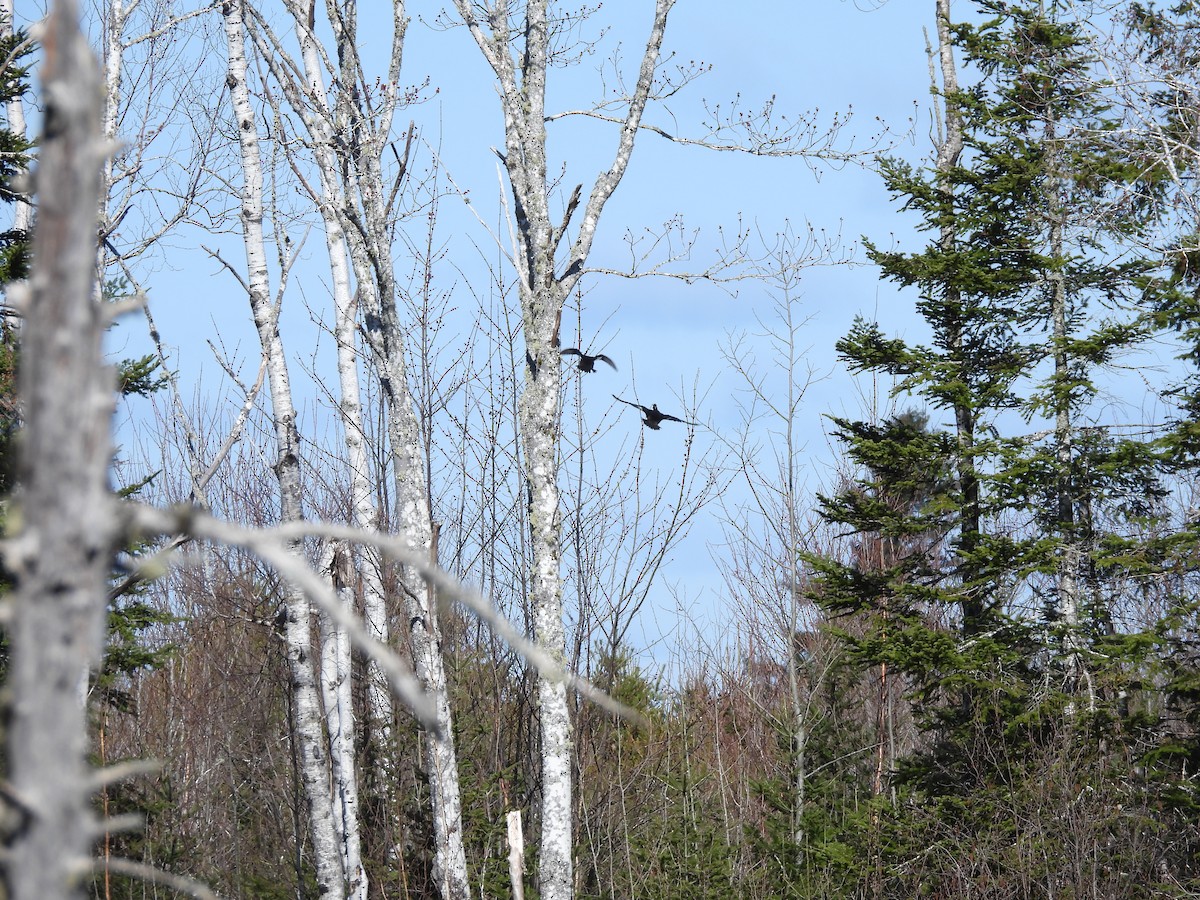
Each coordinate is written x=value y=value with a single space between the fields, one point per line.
x=414 y=524
x=314 y=108
x=15 y=110
x=332 y=202
x=113 y=25
x=542 y=292
x=115 y=15
x=792 y=546
x=61 y=557
x=363 y=223
x=949 y=149
x=371 y=257
x=881 y=722
x=338 y=564
x=1067 y=589
x=314 y=763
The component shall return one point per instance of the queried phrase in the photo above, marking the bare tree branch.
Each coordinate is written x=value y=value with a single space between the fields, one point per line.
x=269 y=544
x=135 y=869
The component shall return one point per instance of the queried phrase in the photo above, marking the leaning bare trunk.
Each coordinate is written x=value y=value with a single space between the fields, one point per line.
x=380 y=711
x=371 y=256
x=62 y=555
x=365 y=514
x=355 y=210
x=324 y=125
x=414 y=523
x=314 y=766
x=331 y=203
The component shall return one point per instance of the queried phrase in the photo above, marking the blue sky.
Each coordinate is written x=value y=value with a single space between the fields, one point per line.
x=823 y=55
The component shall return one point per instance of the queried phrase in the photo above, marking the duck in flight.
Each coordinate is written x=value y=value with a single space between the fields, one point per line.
x=653 y=416
x=587 y=363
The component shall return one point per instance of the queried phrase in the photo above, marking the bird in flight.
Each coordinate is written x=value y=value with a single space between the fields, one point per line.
x=653 y=416
x=587 y=363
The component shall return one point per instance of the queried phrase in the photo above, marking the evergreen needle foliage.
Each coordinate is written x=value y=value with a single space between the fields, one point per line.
x=1011 y=519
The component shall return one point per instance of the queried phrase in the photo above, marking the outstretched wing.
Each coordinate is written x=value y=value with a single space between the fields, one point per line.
x=571 y=351
x=672 y=418
x=634 y=405
x=603 y=358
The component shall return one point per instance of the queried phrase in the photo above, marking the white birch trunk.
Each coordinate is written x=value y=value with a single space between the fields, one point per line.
x=380 y=708
x=61 y=557
x=314 y=763
x=331 y=204
x=365 y=515
x=372 y=259
x=114 y=52
x=415 y=527
x=319 y=121
x=542 y=292
x=371 y=256
x=339 y=718
x=15 y=109
x=516 y=854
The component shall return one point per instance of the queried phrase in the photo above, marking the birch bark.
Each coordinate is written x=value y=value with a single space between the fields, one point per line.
x=310 y=101
x=314 y=763
x=542 y=290
x=371 y=255
x=337 y=562
x=15 y=109
x=319 y=119
x=354 y=205
x=61 y=557
x=373 y=266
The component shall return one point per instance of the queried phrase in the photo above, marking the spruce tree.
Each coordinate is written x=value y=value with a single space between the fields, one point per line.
x=1001 y=612
x=1167 y=41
